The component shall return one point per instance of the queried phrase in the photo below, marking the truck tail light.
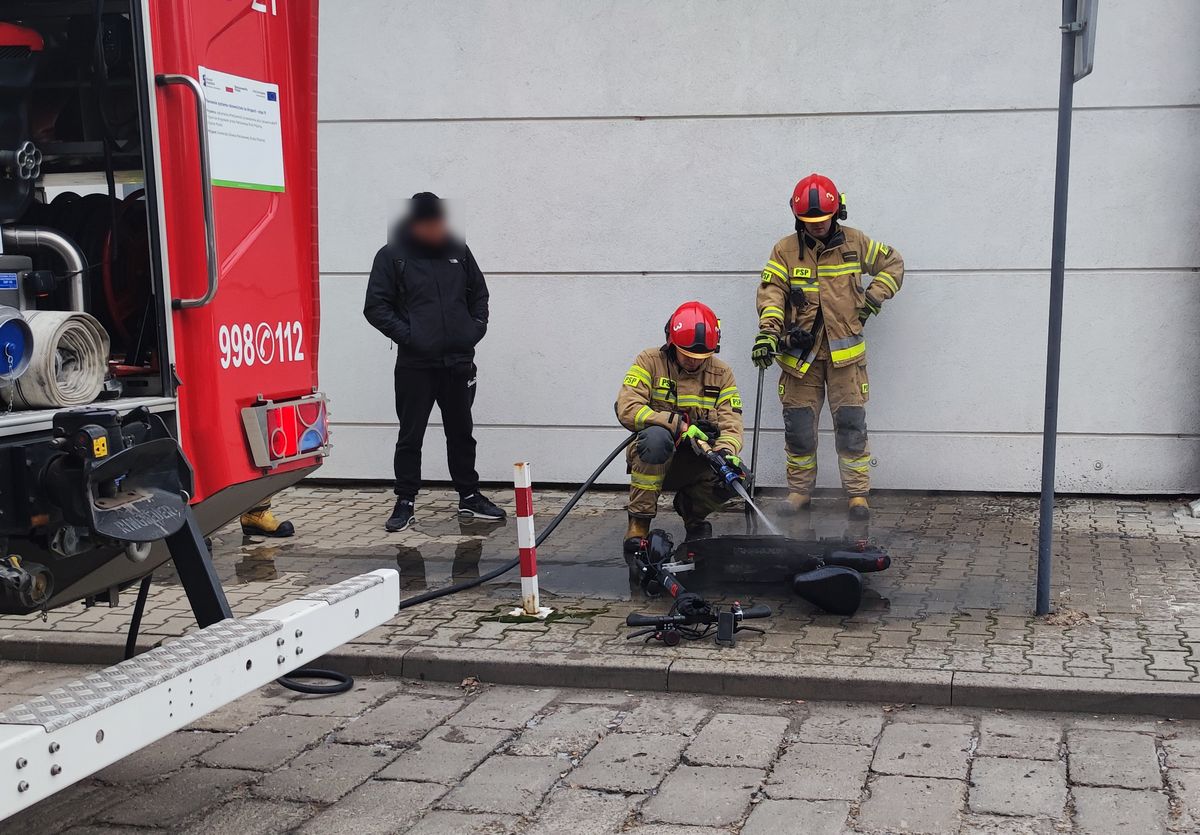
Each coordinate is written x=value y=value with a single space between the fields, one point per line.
x=286 y=430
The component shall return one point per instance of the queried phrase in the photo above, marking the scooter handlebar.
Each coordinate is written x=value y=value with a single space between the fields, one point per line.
x=760 y=610
x=638 y=619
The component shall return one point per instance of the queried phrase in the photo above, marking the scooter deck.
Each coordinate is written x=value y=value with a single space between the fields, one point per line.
x=826 y=573
x=766 y=558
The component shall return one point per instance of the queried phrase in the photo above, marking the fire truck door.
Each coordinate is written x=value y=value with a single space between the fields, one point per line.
x=238 y=197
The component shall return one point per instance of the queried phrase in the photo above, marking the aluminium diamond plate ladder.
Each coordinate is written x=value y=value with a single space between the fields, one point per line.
x=74 y=731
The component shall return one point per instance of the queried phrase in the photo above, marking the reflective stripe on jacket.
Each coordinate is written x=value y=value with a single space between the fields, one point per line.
x=804 y=276
x=657 y=391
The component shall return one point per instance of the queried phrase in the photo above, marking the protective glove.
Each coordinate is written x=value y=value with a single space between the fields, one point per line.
x=691 y=434
x=734 y=462
x=765 y=349
x=800 y=340
x=871 y=308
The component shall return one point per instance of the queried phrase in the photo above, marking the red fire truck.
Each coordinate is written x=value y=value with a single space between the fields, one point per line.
x=200 y=268
x=158 y=344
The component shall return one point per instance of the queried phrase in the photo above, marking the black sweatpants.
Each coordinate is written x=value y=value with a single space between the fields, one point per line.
x=453 y=389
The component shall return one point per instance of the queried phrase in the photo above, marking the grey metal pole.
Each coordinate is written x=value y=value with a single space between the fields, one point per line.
x=1058 y=246
x=751 y=518
x=762 y=373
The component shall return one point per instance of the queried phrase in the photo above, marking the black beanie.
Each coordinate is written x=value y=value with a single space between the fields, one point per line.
x=426 y=206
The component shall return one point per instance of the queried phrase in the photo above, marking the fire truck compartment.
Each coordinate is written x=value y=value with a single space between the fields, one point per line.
x=78 y=256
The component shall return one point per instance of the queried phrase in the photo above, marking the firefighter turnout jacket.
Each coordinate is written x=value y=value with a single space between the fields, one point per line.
x=805 y=276
x=657 y=391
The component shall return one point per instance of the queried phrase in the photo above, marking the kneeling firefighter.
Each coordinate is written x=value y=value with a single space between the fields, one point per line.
x=811 y=310
x=678 y=397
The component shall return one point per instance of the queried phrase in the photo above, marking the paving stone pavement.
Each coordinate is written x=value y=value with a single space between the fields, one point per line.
x=957 y=600
x=728 y=765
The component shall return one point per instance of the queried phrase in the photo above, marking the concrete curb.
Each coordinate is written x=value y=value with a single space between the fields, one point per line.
x=1177 y=699
x=686 y=675
x=806 y=681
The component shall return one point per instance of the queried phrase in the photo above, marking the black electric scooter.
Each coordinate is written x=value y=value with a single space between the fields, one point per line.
x=825 y=572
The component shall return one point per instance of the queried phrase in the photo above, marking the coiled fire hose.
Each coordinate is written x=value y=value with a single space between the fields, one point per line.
x=67 y=365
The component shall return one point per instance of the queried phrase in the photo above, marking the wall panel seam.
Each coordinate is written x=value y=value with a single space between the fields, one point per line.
x=377 y=120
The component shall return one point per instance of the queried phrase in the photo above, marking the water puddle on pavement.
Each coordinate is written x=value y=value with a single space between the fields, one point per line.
x=583 y=559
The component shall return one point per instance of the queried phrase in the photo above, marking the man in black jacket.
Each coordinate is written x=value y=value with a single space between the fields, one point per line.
x=427 y=294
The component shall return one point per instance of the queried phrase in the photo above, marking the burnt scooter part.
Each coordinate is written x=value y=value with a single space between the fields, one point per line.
x=827 y=573
x=691 y=617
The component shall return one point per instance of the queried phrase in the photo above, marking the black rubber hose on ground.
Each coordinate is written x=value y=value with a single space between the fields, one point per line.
x=339 y=682
x=434 y=594
x=342 y=682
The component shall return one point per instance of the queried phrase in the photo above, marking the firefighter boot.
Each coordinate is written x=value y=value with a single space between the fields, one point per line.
x=694 y=526
x=639 y=528
x=260 y=521
x=797 y=503
x=859 y=509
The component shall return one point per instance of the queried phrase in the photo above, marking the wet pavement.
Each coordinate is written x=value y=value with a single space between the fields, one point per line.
x=958 y=597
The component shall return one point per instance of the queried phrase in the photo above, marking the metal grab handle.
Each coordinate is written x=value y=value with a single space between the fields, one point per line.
x=210 y=226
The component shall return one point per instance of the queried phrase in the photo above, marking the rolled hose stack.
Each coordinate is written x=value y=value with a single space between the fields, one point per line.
x=16 y=342
x=67 y=363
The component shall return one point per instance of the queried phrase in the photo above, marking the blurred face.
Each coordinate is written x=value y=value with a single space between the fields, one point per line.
x=690 y=364
x=818 y=230
x=430 y=231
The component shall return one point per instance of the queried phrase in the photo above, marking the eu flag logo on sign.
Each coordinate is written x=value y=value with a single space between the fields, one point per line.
x=272 y=96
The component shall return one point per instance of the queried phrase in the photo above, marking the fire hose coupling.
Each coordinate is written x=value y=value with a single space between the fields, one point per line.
x=16 y=344
x=727 y=466
x=26 y=584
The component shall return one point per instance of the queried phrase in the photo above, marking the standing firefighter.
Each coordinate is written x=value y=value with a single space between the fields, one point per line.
x=811 y=311
x=674 y=397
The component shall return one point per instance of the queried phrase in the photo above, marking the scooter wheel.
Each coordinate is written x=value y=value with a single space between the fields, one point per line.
x=671 y=637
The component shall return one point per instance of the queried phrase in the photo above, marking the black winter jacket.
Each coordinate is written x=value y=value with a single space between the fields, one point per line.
x=432 y=303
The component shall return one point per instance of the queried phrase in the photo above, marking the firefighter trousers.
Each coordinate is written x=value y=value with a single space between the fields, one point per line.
x=698 y=493
x=802 y=399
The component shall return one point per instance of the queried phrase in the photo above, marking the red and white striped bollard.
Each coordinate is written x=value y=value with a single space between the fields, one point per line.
x=527 y=544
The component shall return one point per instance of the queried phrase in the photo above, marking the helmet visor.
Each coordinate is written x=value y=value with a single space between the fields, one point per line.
x=819 y=219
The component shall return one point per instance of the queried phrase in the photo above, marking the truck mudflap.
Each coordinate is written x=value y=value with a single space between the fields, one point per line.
x=74 y=731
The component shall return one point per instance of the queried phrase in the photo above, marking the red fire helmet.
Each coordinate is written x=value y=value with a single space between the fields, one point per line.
x=816 y=199
x=694 y=330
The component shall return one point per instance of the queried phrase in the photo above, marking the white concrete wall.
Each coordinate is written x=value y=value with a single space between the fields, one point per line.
x=611 y=159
